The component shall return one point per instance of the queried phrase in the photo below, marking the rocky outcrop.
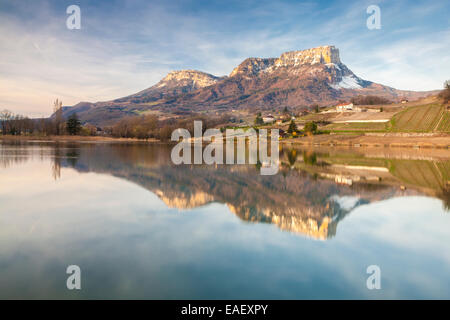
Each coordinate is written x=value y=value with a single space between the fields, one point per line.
x=173 y=84
x=319 y=55
x=191 y=78
x=323 y=55
x=252 y=67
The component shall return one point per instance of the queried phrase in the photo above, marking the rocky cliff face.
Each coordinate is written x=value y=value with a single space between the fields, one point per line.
x=323 y=55
x=173 y=84
x=188 y=78
x=296 y=79
x=253 y=67
x=293 y=59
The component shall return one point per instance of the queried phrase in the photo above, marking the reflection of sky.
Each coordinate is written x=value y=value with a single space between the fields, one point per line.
x=130 y=245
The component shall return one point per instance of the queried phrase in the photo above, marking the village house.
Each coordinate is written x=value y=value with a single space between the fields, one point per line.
x=268 y=119
x=344 y=107
x=347 y=107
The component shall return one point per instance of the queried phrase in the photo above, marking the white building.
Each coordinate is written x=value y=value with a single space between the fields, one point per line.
x=268 y=119
x=344 y=107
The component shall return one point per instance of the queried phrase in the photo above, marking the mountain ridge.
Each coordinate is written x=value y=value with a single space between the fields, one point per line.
x=296 y=79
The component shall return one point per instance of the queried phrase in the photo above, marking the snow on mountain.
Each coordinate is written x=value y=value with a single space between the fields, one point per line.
x=347 y=82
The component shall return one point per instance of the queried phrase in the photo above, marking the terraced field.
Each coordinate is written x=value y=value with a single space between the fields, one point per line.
x=444 y=124
x=423 y=118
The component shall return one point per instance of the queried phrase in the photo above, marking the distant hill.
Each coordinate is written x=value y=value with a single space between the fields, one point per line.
x=296 y=80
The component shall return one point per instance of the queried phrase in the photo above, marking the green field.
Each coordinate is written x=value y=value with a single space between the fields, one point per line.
x=444 y=124
x=425 y=118
x=356 y=126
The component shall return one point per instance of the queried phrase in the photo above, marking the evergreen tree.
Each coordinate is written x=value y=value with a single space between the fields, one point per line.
x=259 y=119
x=73 y=125
x=292 y=127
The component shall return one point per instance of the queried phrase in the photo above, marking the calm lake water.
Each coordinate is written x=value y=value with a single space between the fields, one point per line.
x=140 y=227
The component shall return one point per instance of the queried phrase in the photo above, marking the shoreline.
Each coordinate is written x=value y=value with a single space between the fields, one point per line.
x=441 y=141
x=376 y=141
x=80 y=139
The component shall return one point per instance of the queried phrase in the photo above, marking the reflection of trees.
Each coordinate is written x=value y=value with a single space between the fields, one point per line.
x=72 y=156
x=309 y=157
x=56 y=166
x=12 y=156
x=16 y=152
x=446 y=197
x=292 y=156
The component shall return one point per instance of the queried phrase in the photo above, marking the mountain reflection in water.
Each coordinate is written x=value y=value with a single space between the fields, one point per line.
x=313 y=190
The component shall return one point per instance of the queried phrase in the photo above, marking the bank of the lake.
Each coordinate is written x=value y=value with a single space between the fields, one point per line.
x=406 y=140
x=67 y=138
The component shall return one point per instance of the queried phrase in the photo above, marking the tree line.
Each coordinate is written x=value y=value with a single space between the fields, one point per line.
x=369 y=100
x=141 y=127
x=16 y=124
x=150 y=126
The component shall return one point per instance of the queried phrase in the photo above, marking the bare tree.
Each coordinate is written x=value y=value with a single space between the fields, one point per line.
x=58 y=117
x=445 y=94
x=5 y=118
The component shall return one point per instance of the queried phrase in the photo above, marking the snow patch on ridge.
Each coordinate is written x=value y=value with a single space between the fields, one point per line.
x=347 y=82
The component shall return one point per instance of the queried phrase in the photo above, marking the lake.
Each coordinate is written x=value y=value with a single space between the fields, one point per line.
x=140 y=227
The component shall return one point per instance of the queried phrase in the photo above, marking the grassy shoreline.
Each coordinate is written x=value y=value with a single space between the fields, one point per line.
x=94 y=139
x=441 y=141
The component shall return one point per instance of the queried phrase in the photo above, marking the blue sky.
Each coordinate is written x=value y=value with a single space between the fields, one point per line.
x=126 y=46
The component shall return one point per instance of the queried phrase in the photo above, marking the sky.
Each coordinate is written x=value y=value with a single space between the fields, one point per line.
x=124 y=46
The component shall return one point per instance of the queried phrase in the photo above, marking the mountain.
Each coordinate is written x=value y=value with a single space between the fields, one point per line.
x=296 y=79
x=172 y=85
